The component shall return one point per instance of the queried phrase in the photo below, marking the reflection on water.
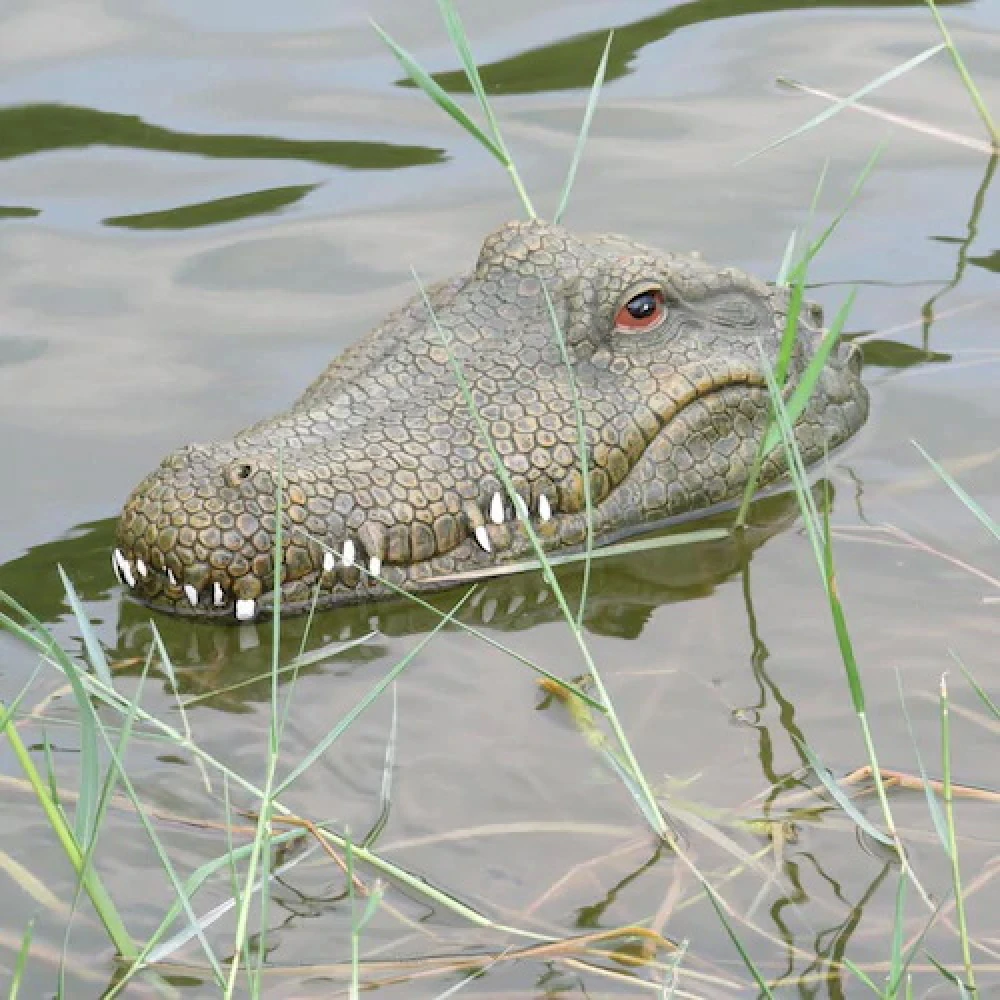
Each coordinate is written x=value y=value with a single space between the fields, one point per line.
x=38 y=128
x=569 y=64
x=930 y=309
x=29 y=129
x=217 y=211
x=623 y=592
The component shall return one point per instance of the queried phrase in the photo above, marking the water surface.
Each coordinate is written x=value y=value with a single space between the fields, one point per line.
x=201 y=204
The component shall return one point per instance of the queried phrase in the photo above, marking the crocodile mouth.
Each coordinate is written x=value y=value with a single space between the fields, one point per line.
x=486 y=535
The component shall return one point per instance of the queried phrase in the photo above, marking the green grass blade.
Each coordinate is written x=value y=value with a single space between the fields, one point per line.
x=971 y=504
x=327 y=652
x=460 y=42
x=159 y=951
x=354 y=986
x=846 y=102
x=896 y=968
x=796 y=278
x=907 y=959
x=95 y=651
x=632 y=547
x=790 y=334
x=22 y=961
x=734 y=937
x=864 y=977
x=651 y=807
x=7 y=712
x=438 y=95
x=305 y=659
x=90 y=770
x=349 y=719
x=50 y=773
x=102 y=902
x=840 y=621
x=821 y=539
x=581 y=444
x=671 y=974
x=856 y=188
x=963 y=72
x=796 y=469
x=581 y=139
x=952 y=848
x=423 y=79
x=842 y=799
x=374 y=901
x=933 y=806
x=650 y=811
x=385 y=790
x=117 y=773
x=990 y=704
x=800 y=397
x=950 y=976
x=168 y=668
x=786 y=259
x=479 y=633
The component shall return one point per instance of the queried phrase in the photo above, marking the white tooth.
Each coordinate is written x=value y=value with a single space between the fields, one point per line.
x=544 y=507
x=496 y=508
x=482 y=536
x=192 y=595
x=125 y=574
x=245 y=610
x=328 y=562
x=171 y=578
x=374 y=565
x=141 y=567
x=218 y=595
x=348 y=553
x=116 y=567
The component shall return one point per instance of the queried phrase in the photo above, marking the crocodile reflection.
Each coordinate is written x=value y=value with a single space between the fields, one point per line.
x=623 y=592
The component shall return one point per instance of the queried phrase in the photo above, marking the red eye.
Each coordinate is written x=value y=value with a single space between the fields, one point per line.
x=642 y=312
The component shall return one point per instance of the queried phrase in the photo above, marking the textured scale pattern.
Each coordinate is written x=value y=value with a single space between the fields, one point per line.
x=384 y=475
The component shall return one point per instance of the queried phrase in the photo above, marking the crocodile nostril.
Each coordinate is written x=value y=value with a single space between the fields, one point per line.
x=238 y=472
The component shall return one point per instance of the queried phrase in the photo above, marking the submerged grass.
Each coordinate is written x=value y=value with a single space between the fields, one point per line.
x=252 y=867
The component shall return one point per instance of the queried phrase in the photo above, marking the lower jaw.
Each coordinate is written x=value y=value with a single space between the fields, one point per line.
x=295 y=600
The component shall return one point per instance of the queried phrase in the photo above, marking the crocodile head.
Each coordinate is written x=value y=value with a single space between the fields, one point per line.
x=382 y=475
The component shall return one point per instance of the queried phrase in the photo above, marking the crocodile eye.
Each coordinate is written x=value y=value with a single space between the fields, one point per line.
x=641 y=312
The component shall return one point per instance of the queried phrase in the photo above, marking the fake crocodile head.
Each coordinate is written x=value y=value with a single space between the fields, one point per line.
x=382 y=474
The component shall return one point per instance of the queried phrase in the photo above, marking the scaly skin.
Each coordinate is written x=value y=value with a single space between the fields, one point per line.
x=382 y=466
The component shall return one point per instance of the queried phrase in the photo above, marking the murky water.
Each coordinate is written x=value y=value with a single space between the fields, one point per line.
x=202 y=203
